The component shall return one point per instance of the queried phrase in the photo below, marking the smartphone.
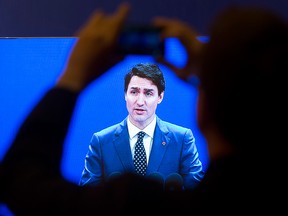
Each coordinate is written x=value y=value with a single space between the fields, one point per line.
x=141 y=40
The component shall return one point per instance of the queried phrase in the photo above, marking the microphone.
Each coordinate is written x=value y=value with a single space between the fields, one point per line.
x=157 y=177
x=173 y=182
x=114 y=175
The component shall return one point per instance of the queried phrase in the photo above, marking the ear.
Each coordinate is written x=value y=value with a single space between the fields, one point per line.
x=160 y=98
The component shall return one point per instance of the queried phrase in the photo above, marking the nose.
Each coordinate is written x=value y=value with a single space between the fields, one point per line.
x=140 y=99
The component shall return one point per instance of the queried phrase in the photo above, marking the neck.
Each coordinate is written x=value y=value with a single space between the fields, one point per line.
x=141 y=124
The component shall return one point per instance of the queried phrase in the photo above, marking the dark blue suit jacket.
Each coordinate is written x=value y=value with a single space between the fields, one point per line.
x=173 y=152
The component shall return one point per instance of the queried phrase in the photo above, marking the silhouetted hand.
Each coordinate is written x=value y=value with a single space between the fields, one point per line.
x=94 y=52
x=188 y=37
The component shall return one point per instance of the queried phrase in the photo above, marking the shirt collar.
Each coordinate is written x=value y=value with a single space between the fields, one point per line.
x=133 y=130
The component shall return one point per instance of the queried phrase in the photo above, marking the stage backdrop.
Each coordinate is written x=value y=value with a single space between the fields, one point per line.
x=30 y=66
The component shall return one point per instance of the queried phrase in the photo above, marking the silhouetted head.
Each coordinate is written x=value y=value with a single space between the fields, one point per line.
x=243 y=75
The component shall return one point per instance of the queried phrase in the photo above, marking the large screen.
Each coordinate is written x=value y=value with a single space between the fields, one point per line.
x=30 y=66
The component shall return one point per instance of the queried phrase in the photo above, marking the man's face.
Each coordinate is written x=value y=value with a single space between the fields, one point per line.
x=142 y=100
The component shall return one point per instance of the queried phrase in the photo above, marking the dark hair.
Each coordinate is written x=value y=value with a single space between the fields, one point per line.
x=243 y=72
x=148 y=71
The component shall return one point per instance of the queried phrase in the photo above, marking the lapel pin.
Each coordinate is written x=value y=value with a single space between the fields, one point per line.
x=163 y=143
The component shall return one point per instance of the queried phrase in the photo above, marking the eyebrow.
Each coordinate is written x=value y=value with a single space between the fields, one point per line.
x=145 y=89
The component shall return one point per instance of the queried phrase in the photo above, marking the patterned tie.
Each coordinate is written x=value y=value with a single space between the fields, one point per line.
x=140 y=155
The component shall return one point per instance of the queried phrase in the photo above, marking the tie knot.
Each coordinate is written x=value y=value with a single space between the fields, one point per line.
x=141 y=134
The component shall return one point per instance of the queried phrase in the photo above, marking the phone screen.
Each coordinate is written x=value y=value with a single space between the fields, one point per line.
x=141 y=40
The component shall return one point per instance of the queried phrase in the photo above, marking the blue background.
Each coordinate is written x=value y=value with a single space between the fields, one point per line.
x=30 y=66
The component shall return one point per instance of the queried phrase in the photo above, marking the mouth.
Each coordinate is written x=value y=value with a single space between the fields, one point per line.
x=139 y=111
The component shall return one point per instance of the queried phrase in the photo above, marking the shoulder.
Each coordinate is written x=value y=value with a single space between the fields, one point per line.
x=113 y=129
x=171 y=127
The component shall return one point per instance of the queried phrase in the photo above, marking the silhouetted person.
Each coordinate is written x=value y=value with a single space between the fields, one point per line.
x=241 y=112
x=241 y=108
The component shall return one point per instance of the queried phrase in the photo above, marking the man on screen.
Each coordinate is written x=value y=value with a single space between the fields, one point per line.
x=170 y=150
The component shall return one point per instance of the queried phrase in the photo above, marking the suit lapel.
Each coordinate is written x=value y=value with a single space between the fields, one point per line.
x=122 y=146
x=159 y=146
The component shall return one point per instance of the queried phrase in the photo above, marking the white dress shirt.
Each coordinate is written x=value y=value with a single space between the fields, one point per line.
x=147 y=140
